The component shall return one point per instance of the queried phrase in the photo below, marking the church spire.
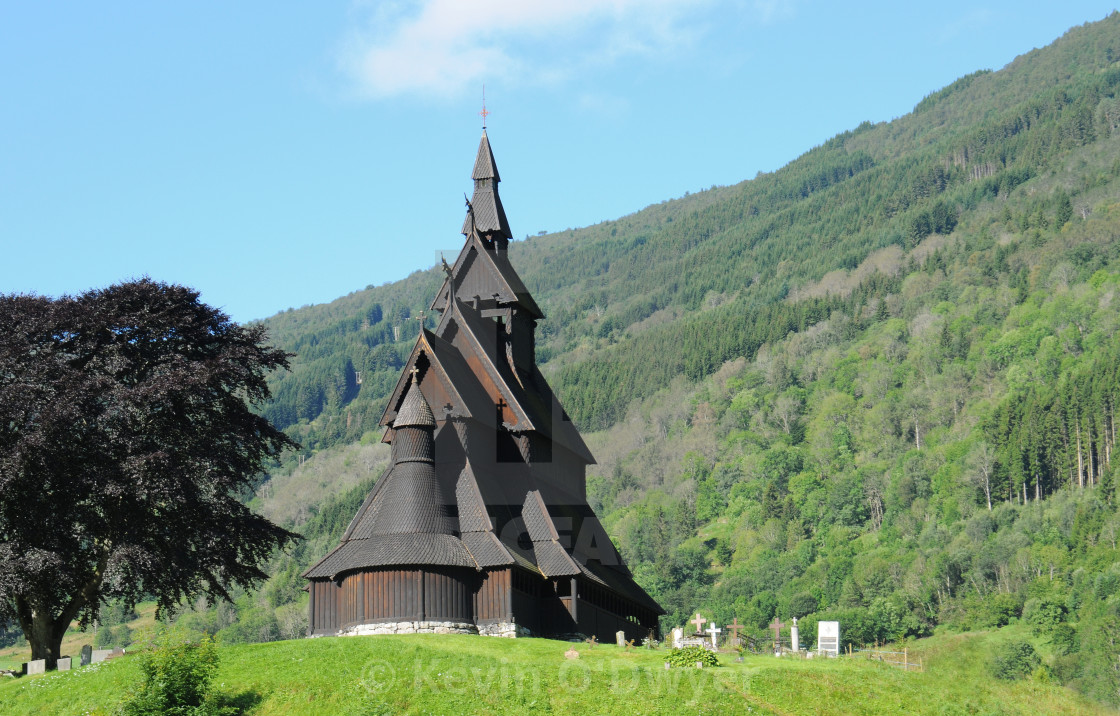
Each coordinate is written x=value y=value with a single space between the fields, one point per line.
x=486 y=212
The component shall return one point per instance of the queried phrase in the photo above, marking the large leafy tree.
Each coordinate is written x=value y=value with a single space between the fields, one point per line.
x=126 y=443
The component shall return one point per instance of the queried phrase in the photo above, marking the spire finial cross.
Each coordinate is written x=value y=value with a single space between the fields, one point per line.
x=414 y=372
x=484 y=114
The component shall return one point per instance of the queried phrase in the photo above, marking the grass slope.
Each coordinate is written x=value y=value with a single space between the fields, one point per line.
x=421 y=674
x=14 y=656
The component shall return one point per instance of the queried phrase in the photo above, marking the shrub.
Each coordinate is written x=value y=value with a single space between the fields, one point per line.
x=1044 y=615
x=113 y=637
x=999 y=610
x=1063 y=639
x=689 y=655
x=1014 y=660
x=177 y=676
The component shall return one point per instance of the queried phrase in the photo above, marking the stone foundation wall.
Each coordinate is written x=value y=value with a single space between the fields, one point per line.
x=419 y=627
x=508 y=630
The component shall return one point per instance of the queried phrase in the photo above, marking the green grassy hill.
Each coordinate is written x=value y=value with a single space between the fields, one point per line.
x=423 y=674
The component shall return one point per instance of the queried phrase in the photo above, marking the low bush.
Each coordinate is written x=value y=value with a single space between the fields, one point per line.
x=689 y=655
x=177 y=676
x=1014 y=660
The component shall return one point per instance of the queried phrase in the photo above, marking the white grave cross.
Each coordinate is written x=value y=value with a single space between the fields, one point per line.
x=714 y=631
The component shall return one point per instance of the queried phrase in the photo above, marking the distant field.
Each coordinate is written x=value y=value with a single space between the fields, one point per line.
x=421 y=674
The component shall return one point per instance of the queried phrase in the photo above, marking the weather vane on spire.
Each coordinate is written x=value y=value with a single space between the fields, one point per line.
x=484 y=114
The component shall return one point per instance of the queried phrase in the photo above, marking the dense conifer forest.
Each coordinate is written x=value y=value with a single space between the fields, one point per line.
x=879 y=384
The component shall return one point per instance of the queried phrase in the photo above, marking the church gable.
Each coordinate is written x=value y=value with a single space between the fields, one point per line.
x=452 y=387
x=484 y=273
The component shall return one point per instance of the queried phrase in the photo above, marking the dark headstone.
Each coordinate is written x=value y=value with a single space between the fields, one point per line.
x=87 y=656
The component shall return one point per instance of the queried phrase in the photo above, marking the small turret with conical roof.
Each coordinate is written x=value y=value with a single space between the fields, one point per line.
x=412 y=428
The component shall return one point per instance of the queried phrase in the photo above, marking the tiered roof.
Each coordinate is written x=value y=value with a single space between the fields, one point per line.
x=474 y=385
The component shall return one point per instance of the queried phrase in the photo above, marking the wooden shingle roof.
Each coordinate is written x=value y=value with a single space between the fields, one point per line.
x=487 y=215
x=504 y=282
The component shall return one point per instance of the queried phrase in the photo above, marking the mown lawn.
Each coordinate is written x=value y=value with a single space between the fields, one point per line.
x=420 y=674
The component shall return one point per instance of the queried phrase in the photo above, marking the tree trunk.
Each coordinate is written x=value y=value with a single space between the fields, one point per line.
x=1080 y=462
x=43 y=630
x=43 y=633
x=1090 y=451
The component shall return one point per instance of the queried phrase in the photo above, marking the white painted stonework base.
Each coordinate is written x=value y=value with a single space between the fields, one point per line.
x=508 y=630
x=420 y=627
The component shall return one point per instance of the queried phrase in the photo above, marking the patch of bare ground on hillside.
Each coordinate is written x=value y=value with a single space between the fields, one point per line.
x=286 y=498
x=889 y=260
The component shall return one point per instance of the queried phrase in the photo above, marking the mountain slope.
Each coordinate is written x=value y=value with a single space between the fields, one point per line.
x=878 y=385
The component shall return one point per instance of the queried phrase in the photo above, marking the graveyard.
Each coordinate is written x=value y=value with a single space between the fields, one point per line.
x=427 y=673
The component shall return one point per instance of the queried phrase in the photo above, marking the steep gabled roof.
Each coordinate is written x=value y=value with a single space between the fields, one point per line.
x=466 y=397
x=551 y=557
x=506 y=283
x=619 y=582
x=477 y=335
x=527 y=394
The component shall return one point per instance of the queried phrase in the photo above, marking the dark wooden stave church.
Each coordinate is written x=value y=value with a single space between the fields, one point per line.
x=481 y=522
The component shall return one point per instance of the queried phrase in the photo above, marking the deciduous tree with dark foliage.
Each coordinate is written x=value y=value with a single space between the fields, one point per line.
x=126 y=443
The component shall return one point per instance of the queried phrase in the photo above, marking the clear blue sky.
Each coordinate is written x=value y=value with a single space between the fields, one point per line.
x=279 y=154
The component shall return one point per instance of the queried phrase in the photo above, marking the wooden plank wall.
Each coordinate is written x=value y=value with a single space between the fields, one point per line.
x=396 y=595
x=324 y=607
x=492 y=601
x=449 y=594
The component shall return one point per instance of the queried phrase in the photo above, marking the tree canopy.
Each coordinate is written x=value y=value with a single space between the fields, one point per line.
x=127 y=441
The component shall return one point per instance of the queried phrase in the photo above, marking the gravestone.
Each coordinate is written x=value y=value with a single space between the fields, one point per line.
x=39 y=666
x=714 y=631
x=699 y=621
x=64 y=663
x=794 y=637
x=678 y=634
x=571 y=654
x=701 y=641
x=87 y=656
x=828 y=638
x=100 y=655
x=734 y=628
x=776 y=626
x=620 y=638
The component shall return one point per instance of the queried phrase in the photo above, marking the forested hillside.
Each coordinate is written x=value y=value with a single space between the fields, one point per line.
x=879 y=384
